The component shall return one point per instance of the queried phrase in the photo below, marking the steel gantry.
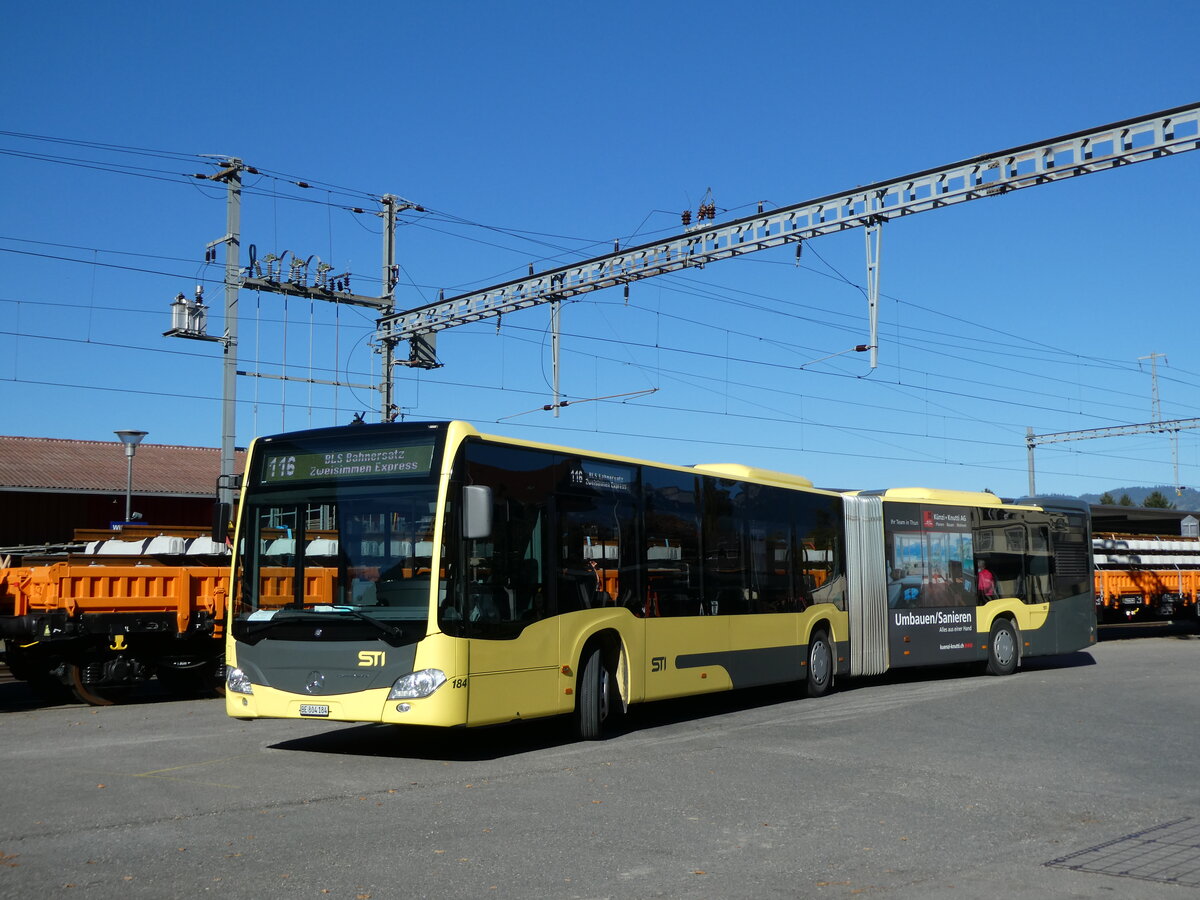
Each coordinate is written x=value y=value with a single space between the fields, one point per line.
x=1098 y=149
x=1170 y=426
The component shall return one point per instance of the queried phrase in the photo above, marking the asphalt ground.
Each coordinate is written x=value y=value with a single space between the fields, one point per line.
x=1076 y=777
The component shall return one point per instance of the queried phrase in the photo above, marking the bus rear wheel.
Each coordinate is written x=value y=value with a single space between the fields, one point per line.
x=1002 y=648
x=597 y=698
x=820 y=665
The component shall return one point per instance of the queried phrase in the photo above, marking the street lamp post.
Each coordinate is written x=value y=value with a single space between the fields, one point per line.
x=130 y=439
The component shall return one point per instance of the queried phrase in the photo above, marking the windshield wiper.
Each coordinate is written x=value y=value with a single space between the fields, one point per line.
x=252 y=631
x=389 y=630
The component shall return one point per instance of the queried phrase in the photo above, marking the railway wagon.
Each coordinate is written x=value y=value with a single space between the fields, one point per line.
x=106 y=620
x=1145 y=577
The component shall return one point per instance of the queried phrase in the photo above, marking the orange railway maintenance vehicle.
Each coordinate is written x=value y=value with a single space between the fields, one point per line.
x=1146 y=577
x=126 y=607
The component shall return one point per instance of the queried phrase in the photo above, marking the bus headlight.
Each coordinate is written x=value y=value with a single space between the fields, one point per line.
x=238 y=681
x=417 y=684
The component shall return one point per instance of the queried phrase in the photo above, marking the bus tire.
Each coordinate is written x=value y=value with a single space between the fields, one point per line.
x=596 y=697
x=1003 y=648
x=820 y=664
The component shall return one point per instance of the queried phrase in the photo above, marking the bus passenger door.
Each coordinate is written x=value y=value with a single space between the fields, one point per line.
x=687 y=629
x=512 y=633
x=687 y=638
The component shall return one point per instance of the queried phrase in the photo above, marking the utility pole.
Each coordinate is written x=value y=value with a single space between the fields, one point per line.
x=232 y=176
x=189 y=319
x=1158 y=426
x=1030 y=444
x=1155 y=426
x=387 y=411
x=335 y=289
x=1155 y=409
x=555 y=330
x=873 y=232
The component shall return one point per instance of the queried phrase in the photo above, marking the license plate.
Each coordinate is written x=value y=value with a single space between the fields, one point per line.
x=314 y=709
x=1131 y=601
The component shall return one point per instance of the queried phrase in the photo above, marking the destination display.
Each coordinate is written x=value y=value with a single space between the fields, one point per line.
x=601 y=476
x=367 y=462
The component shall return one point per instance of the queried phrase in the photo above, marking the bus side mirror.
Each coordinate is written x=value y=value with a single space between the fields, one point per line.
x=222 y=513
x=477 y=511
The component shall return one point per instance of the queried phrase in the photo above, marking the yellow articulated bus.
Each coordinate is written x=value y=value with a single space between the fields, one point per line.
x=426 y=574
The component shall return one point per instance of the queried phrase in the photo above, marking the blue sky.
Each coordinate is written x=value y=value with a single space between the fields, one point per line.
x=542 y=132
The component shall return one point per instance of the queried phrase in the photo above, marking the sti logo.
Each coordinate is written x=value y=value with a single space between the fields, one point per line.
x=929 y=519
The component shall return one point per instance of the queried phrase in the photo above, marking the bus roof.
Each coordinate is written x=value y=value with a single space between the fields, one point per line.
x=935 y=495
x=749 y=473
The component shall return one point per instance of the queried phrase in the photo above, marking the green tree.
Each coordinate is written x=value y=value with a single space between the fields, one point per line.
x=1125 y=501
x=1156 y=500
x=1106 y=499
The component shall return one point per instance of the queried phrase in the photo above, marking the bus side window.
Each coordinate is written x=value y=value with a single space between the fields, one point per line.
x=671 y=545
x=777 y=570
x=726 y=591
x=823 y=567
x=772 y=569
x=1072 y=554
x=1037 y=564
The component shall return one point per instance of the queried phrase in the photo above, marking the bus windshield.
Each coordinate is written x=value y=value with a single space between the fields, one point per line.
x=365 y=548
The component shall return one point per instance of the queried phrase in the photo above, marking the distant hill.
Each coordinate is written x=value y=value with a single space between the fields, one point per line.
x=1189 y=499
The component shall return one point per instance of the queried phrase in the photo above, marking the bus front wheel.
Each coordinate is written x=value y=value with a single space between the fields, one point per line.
x=596 y=698
x=820 y=665
x=1002 y=648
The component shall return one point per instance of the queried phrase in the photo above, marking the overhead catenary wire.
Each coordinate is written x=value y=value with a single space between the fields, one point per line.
x=364 y=194
x=779 y=366
x=348 y=373
x=658 y=347
x=367 y=195
x=727 y=357
x=842 y=427
x=1076 y=357
x=809 y=422
x=1006 y=369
